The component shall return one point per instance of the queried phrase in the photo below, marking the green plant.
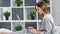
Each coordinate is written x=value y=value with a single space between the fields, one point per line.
x=32 y=14
x=47 y=1
x=6 y=14
x=18 y=27
x=18 y=2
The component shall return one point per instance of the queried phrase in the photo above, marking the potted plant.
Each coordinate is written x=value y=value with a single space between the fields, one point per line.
x=18 y=28
x=18 y=2
x=6 y=14
x=47 y=1
x=32 y=14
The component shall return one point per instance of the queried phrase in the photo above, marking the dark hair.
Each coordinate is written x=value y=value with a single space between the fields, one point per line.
x=43 y=6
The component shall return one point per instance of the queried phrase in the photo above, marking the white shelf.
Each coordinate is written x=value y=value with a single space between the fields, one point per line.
x=32 y=20
x=20 y=20
x=24 y=10
x=5 y=20
x=29 y=6
x=17 y=20
x=18 y=7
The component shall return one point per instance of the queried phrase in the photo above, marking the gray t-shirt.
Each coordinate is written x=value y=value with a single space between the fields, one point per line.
x=48 y=24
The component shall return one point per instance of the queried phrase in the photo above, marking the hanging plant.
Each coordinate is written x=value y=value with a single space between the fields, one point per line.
x=32 y=14
x=18 y=2
x=18 y=28
x=7 y=14
x=47 y=1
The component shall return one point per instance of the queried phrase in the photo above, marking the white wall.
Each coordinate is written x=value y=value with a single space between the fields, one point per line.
x=1 y=13
x=0 y=2
x=56 y=11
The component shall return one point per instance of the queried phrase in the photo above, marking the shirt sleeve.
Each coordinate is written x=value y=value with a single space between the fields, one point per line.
x=47 y=25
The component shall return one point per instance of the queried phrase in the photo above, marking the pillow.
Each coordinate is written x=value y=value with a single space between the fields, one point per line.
x=57 y=30
x=5 y=30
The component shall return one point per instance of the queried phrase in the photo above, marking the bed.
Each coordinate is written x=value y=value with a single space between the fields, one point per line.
x=6 y=31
